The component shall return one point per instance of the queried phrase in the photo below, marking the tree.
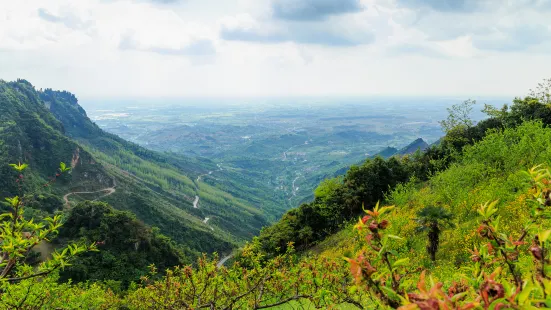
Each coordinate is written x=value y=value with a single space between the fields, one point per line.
x=328 y=187
x=494 y=112
x=433 y=220
x=536 y=106
x=542 y=92
x=459 y=116
x=127 y=245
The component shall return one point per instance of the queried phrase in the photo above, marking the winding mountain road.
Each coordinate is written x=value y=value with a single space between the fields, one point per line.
x=108 y=191
x=294 y=188
x=209 y=173
x=223 y=260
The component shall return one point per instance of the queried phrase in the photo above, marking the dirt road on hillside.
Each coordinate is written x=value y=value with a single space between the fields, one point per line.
x=223 y=261
x=108 y=191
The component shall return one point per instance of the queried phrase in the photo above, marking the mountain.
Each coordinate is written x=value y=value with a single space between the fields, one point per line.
x=30 y=133
x=387 y=152
x=430 y=231
x=246 y=209
x=417 y=145
x=43 y=128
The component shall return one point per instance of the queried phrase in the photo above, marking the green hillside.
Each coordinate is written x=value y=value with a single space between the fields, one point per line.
x=43 y=128
x=463 y=225
x=126 y=246
x=176 y=176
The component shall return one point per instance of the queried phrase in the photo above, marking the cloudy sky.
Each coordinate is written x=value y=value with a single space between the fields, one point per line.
x=174 y=48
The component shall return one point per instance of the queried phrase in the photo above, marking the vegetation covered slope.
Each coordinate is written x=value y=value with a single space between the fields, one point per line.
x=488 y=249
x=29 y=133
x=174 y=176
x=339 y=199
x=126 y=246
x=151 y=185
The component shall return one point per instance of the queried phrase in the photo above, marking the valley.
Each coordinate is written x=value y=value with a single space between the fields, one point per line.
x=281 y=147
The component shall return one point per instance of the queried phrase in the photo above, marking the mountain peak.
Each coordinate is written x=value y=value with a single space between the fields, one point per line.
x=418 y=144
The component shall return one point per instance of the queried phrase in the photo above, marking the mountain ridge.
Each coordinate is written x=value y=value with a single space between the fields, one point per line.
x=49 y=127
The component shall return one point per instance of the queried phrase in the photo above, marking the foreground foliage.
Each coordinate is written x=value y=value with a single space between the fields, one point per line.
x=19 y=236
x=507 y=269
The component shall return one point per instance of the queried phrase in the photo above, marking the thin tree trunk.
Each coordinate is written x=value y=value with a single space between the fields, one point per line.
x=434 y=240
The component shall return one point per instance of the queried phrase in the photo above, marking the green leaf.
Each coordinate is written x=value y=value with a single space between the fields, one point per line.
x=525 y=293
x=544 y=235
x=457 y=297
x=401 y=262
x=395 y=237
x=14 y=202
x=19 y=167
x=63 y=167
x=392 y=294
x=393 y=252
x=385 y=209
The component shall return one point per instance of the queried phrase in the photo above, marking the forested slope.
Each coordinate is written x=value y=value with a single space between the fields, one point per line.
x=172 y=175
x=43 y=128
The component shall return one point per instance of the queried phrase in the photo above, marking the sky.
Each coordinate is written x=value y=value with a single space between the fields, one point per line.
x=233 y=48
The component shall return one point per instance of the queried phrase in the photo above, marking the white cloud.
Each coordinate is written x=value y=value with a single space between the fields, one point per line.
x=492 y=24
x=308 y=10
x=305 y=24
x=102 y=48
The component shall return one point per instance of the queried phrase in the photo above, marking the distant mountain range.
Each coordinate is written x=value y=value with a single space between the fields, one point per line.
x=417 y=145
